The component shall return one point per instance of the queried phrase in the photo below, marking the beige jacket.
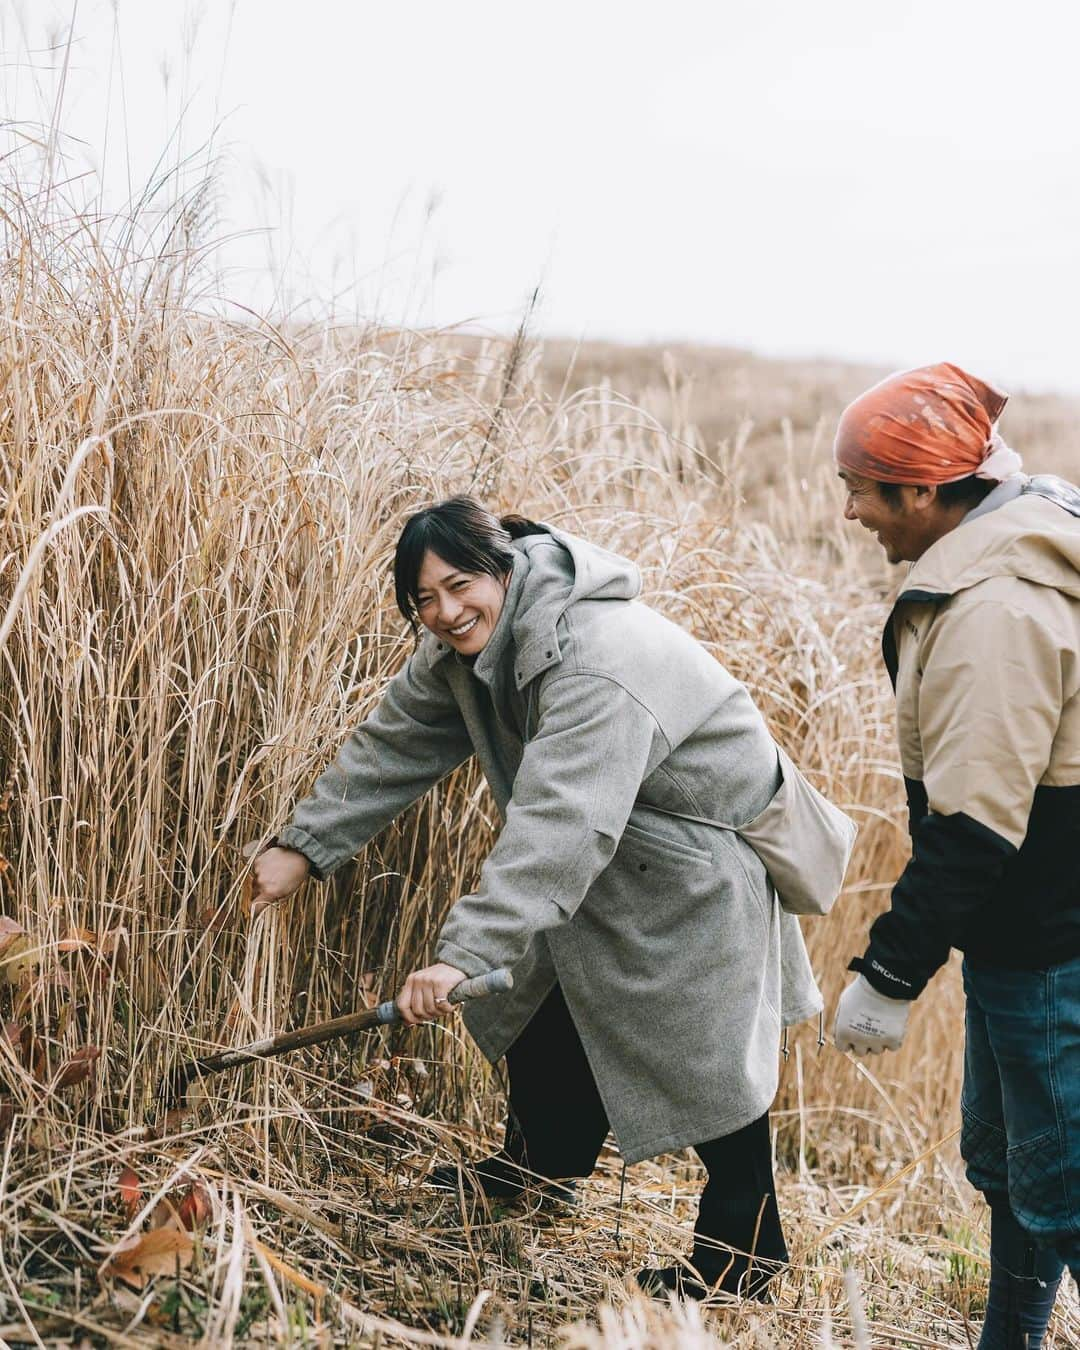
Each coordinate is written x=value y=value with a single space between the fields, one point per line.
x=983 y=646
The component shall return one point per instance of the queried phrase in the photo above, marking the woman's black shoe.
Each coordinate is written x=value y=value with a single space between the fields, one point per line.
x=659 y=1281
x=497 y=1178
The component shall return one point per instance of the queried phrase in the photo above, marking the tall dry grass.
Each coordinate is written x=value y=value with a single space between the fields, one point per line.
x=197 y=520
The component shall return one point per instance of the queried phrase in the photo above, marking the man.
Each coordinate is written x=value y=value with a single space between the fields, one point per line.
x=983 y=648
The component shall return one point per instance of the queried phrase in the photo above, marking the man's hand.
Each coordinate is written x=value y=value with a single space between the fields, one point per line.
x=867 y=1022
x=425 y=994
x=275 y=874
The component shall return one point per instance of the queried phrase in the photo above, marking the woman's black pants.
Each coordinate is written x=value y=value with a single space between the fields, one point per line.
x=556 y=1127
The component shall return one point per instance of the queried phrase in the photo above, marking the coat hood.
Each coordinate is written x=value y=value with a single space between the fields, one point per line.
x=551 y=572
x=559 y=570
x=1035 y=536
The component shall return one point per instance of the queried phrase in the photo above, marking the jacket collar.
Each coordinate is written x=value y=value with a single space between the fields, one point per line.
x=1022 y=530
x=490 y=664
x=1009 y=533
x=532 y=646
x=551 y=572
x=581 y=571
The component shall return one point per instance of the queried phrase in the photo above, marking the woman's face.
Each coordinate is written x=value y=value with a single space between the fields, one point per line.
x=461 y=608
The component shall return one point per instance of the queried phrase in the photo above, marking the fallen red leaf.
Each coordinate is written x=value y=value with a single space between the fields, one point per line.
x=78 y=1067
x=114 y=940
x=20 y=1036
x=187 y=1205
x=139 y=1257
x=77 y=938
x=130 y=1192
x=11 y=932
x=196 y=1207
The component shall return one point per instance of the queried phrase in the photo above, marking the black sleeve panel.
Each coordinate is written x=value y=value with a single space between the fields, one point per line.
x=917 y=804
x=955 y=867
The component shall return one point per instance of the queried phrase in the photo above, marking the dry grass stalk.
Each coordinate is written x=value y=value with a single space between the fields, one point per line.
x=197 y=517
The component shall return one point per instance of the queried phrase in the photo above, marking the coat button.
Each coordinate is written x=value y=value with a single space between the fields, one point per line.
x=643 y=867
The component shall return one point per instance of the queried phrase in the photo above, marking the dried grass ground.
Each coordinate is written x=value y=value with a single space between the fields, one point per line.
x=197 y=520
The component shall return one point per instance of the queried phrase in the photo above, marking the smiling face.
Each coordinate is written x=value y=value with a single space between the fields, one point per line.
x=462 y=608
x=904 y=526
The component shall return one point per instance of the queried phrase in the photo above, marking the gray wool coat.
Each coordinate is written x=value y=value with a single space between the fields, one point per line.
x=598 y=724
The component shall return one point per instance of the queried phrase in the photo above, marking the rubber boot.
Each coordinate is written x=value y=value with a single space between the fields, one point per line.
x=1024 y=1282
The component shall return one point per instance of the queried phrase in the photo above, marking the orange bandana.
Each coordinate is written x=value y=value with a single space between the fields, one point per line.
x=931 y=425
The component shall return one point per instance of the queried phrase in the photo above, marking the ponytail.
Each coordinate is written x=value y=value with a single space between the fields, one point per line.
x=517 y=527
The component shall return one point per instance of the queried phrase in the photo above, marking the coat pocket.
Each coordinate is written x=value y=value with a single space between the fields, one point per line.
x=655 y=890
x=643 y=840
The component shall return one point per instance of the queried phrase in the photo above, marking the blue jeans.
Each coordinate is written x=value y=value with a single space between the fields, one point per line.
x=1021 y=1100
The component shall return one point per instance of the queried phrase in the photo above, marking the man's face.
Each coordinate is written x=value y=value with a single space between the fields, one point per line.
x=905 y=528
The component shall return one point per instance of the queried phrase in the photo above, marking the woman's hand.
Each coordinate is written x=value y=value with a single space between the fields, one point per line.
x=275 y=874
x=425 y=993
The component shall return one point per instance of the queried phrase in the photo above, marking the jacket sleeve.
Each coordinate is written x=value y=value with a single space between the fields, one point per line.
x=989 y=708
x=573 y=794
x=415 y=736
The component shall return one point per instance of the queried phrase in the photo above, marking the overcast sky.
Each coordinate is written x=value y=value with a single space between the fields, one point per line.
x=889 y=182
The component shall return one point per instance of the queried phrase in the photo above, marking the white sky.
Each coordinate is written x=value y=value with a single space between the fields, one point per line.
x=891 y=182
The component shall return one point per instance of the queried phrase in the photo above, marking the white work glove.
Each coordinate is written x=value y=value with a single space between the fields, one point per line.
x=867 y=1022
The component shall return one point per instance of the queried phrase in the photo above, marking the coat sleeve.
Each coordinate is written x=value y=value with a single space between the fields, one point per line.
x=415 y=736
x=990 y=704
x=573 y=794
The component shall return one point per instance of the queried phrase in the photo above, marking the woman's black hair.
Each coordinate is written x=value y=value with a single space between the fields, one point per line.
x=465 y=535
x=968 y=491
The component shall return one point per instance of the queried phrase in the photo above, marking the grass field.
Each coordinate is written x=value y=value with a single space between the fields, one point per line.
x=197 y=519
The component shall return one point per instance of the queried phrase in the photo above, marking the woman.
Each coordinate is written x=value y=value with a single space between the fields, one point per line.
x=653 y=966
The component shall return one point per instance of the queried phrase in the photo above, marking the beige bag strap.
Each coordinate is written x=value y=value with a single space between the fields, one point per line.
x=704 y=820
x=696 y=820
